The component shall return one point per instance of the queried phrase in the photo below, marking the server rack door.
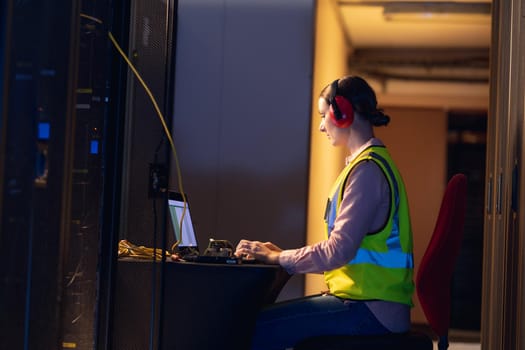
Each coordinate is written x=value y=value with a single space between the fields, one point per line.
x=37 y=119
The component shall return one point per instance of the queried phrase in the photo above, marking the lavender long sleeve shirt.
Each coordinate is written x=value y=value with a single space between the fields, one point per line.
x=364 y=209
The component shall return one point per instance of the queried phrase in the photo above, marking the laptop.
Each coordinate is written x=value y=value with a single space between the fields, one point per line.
x=188 y=248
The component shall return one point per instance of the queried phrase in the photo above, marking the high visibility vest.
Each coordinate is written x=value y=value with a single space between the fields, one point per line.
x=383 y=266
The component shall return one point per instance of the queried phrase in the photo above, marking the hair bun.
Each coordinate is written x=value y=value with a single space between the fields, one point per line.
x=378 y=118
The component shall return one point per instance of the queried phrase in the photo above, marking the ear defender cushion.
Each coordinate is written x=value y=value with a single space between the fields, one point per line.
x=341 y=112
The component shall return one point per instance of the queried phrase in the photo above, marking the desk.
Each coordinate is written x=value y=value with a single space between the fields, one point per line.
x=204 y=306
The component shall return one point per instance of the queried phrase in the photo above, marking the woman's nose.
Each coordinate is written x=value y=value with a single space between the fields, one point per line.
x=321 y=126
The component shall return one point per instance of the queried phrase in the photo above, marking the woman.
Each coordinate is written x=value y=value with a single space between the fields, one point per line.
x=367 y=255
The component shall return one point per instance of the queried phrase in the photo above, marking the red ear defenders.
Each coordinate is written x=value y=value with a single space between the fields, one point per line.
x=341 y=110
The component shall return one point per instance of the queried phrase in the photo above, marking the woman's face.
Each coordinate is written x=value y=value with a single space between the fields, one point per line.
x=336 y=136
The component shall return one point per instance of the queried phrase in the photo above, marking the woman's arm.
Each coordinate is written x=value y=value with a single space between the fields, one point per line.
x=364 y=209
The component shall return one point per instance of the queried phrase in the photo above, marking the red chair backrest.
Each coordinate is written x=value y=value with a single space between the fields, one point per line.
x=434 y=276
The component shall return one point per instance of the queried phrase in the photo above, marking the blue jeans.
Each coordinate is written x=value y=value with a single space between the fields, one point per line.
x=282 y=325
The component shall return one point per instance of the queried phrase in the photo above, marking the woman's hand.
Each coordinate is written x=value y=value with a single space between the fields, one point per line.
x=266 y=252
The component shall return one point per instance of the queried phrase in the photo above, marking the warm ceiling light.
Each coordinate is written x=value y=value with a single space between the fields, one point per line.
x=450 y=12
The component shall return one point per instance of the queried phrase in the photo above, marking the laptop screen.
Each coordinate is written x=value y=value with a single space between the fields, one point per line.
x=176 y=208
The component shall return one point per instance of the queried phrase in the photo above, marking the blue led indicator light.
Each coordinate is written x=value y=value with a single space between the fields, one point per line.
x=44 y=130
x=94 y=147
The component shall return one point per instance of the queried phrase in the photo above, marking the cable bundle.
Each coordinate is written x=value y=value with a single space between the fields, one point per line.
x=129 y=250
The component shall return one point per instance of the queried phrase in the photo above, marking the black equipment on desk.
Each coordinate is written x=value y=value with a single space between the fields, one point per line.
x=218 y=251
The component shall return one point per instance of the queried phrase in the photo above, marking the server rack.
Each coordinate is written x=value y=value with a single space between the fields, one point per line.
x=68 y=109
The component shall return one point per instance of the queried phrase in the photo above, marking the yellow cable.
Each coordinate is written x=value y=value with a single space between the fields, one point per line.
x=128 y=249
x=165 y=127
x=161 y=118
x=94 y=19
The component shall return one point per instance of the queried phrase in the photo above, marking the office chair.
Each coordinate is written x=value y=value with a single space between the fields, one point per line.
x=432 y=284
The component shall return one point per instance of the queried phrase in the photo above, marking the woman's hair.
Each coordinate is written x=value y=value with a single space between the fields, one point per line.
x=362 y=97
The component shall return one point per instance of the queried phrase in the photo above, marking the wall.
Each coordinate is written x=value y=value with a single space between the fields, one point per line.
x=242 y=117
x=417 y=140
x=325 y=161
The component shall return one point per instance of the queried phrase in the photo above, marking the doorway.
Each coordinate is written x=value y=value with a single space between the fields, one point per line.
x=466 y=153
